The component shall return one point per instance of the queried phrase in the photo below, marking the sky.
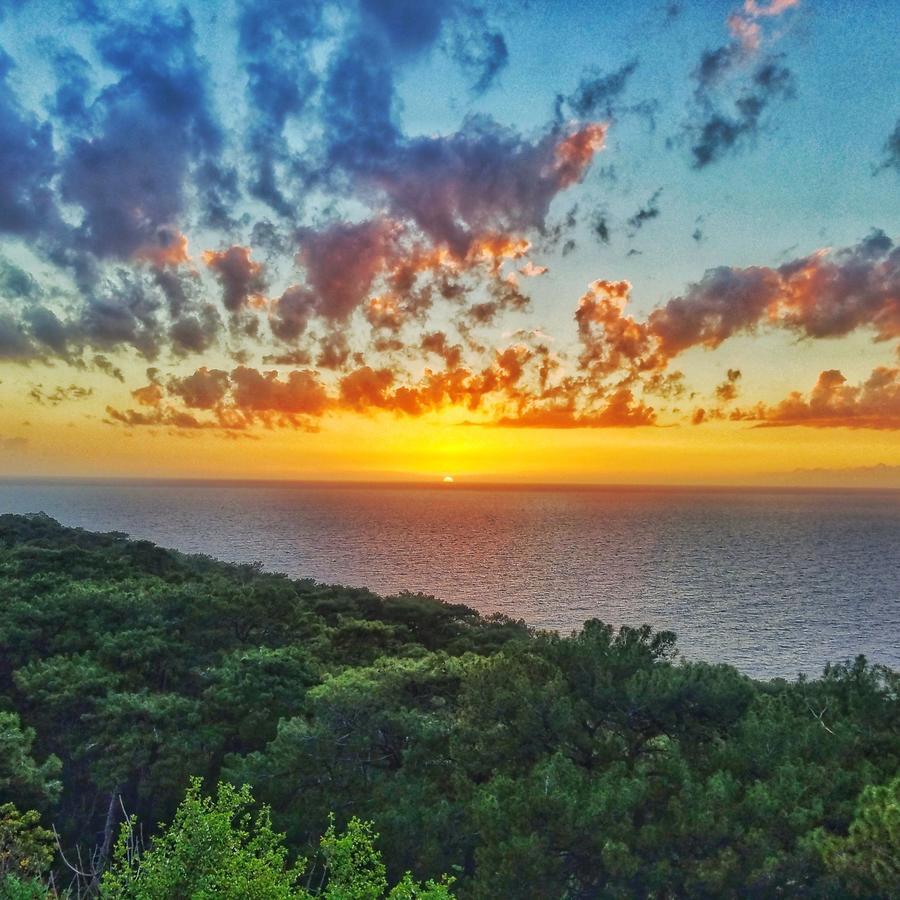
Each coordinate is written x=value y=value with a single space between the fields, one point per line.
x=399 y=239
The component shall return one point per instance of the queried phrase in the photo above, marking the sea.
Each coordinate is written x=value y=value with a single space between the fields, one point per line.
x=776 y=582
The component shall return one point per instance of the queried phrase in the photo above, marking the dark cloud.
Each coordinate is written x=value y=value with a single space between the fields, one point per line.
x=891 y=151
x=600 y=226
x=342 y=261
x=125 y=312
x=240 y=276
x=102 y=364
x=27 y=162
x=736 y=84
x=47 y=329
x=299 y=393
x=204 y=389
x=824 y=295
x=15 y=344
x=714 y=132
x=481 y=51
x=697 y=234
x=650 y=210
x=274 y=41
x=334 y=351
x=129 y=171
x=16 y=283
x=195 y=332
x=599 y=94
x=291 y=313
x=818 y=296
x=73 y=78
x=455 y=187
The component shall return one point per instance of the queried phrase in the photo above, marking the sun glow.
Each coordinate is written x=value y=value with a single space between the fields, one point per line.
x=448 y=479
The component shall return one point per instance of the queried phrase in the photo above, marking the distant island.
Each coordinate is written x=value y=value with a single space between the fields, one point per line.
x=174 y=726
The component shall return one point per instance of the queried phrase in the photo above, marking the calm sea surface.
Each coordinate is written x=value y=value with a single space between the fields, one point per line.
x=775 y=583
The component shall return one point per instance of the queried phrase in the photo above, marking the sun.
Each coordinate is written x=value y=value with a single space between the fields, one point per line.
x=448 y=479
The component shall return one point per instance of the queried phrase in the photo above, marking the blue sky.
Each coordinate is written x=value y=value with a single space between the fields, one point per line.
x=317 y=190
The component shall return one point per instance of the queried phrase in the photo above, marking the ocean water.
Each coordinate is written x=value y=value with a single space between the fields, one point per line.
x=774 y=582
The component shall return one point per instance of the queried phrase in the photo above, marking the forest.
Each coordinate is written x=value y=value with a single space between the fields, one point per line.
x=173 y=726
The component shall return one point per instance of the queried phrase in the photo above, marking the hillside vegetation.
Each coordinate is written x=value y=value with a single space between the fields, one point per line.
x=381 y=737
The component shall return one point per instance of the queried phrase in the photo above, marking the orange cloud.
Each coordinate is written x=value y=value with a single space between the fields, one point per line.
x=833 y=403
x=575 y=153
x=169 y=251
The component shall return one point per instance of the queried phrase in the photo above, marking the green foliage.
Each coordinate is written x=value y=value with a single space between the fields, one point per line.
x=527 y=764
x=12 y=887
x=217 y=847
x=868 y=858
x=26 y=849
x=354 y=871
x=23 y=779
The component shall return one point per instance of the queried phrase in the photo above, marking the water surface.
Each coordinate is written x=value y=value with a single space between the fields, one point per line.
x=774 y=582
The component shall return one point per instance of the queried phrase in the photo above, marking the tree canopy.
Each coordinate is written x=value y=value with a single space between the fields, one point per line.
x=522 y=764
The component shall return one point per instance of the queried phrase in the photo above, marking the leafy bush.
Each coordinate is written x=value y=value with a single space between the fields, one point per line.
x=217 y=847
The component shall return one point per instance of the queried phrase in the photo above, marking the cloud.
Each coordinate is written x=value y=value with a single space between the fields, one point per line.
x=204 y=389
x=736 y=84
x=342 y=262
x=599 y=94
x=727 y=390
x=823 y=295
x=611 y=341
x=274 y=41
x=361 y=266
x=128 y=171
x=714 y=133
x=299 y=393
x=834 y=403
x=649 y=211
x=28 y=163
x=620 y=410
x=241 y=278
x=59 y=394
x=15 y=344
x=291 y=313
x=891 y=151
x=215 y=399
x=139 y=156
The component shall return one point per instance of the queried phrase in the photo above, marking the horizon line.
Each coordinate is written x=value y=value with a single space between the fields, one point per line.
x=436 y=483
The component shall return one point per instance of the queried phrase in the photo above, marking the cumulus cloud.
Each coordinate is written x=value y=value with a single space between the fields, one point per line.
x=834 y=403
x=240 y=276
x=128 y=172
x=818 y=296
